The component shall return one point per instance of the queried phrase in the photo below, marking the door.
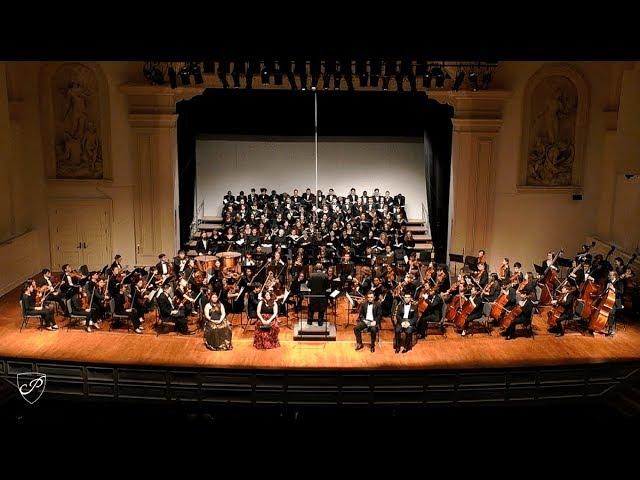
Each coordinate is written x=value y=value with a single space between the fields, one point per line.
x=80 y=233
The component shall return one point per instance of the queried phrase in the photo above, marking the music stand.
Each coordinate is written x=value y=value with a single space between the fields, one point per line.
x=455 y=258
x=564 y=263
x=538 y=269
x=471 y=262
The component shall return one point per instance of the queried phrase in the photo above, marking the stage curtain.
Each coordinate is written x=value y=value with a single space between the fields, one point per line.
x=437 y=157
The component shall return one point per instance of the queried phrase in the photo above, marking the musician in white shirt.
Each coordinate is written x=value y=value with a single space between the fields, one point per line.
x=405 y=323
x=368 y=319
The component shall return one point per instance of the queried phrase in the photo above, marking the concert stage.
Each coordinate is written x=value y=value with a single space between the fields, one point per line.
x=440 y=369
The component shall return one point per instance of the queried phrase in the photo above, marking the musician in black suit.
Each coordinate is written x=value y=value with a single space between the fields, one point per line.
x=405 y=323
x=29 y=307
x=318 y=284
x=168 y=311
x=617 y=284
x=353 y=196
x=565 y=300
x=53 y=294
x=228 y=198
x=476 y=313
x=399 y=200
x=163 y=266
x=368 y=319
x=432 y=314
x=117 y=262
x=524 y=317
x=180 y=262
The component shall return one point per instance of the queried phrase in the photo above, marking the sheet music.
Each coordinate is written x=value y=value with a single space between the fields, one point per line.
x=335 y=293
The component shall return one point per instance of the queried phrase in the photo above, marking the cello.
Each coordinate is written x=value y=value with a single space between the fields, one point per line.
x=463 y=313
x=588 y=293
x=600 y=316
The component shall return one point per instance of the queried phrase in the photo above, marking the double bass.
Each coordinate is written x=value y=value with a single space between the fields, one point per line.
x=549 y=280
x=600 y=316
x=588 y=293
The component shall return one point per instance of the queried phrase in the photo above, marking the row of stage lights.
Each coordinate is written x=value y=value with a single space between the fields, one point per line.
x=373 y=74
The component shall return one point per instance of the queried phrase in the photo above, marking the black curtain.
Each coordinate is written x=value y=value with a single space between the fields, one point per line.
x=352 y=114
x=437 y=157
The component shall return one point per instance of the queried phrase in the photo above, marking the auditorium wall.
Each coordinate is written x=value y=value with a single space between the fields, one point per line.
x=524 y=226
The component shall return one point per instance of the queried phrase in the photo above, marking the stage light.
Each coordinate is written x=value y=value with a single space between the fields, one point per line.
x=457 y=83
x=197 y=74
x=173 y=78
x=185 y=75
x=473 y=81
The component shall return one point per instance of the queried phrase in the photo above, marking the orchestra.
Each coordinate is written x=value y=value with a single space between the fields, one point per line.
x=275 y=252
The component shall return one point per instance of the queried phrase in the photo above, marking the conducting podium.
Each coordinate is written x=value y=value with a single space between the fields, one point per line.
x=316 y=298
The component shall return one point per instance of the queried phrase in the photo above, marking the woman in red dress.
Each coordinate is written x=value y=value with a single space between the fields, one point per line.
x=267 y=328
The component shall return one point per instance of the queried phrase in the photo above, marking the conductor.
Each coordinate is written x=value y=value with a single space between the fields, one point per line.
x=318 y=285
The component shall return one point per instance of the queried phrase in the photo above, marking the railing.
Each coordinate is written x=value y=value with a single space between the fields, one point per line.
x=197 y=220
x=425 y=220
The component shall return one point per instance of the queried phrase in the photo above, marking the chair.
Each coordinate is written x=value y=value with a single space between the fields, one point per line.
x=73 y=319
x=161 y=323
x=26 y=317
x=118 y=317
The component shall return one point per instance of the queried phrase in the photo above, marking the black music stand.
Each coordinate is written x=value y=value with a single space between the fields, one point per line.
x=455 y=258
x=471 y=262
x=565 y=263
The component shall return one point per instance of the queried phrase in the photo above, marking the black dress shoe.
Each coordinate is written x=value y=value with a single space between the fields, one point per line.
x=508 y=337
x=309 y=323
x=320 y=324
x=359 y=347
x=560 y=334
x=405 y=350
x=420 y=335
x=373 y=348
x=397 y=350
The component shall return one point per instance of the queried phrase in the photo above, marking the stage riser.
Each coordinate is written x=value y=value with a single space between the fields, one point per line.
x=334 y=388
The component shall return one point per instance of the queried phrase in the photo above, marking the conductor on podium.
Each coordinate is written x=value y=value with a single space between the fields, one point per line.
x=318 y=285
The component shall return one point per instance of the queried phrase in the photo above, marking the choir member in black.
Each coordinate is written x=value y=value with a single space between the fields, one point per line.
x=170 y=312
x=405 y=323
x=318 y=284
x=52 y=291
x=524 y=318
x=432 y=314
x=119 y=300
x=399 y=200
x=353 y=196
x=476 y=313
x=368 y=319
x=228 y=198
x=565 y=300
x=77 y=309
x=163 y=267
x=29 y=307
x=347 y=268
x=180 y=262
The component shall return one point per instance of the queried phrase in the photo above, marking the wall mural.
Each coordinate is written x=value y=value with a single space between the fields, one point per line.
x=551 y=150
x=77 y=116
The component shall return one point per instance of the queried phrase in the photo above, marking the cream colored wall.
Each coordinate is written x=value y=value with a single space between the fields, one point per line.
x=527 y=225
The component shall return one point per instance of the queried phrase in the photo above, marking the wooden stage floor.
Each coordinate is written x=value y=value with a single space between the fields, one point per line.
x=435 y=352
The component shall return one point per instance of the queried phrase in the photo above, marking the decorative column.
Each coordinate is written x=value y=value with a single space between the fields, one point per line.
x=476 y=125
x=154 y=151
